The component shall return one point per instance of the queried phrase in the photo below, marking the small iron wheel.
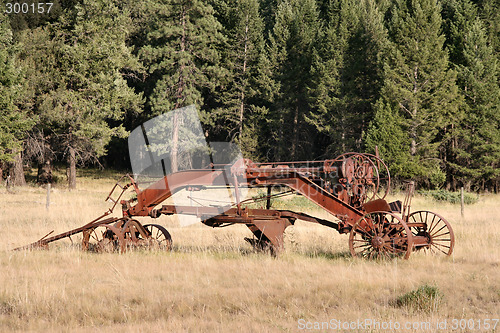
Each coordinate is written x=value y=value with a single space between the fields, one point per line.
x=435 y=228
x=380 y=235
x=103 y=238
x=159 y=237
x=134 y=233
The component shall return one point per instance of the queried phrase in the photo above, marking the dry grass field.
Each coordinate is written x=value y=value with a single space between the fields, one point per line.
x=212 y=280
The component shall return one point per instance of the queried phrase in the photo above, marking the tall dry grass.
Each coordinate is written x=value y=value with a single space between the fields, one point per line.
x=214 y=281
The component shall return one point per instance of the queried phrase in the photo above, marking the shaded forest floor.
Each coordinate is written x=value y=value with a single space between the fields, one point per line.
x=212 y=280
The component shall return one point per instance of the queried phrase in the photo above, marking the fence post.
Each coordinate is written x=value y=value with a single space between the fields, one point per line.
x=8 y=184
x=47 y=204
x=462 y=201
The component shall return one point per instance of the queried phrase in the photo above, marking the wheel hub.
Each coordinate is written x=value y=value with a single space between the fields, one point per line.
x=377 y=242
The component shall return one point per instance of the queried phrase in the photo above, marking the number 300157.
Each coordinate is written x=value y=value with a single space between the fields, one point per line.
x=28 y=8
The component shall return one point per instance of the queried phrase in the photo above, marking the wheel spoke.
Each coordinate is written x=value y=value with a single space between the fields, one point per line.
x=435 y=225
x=439 y=249
x=362 y=246
x=435 y=232
x=441 y=245
x=437 y=236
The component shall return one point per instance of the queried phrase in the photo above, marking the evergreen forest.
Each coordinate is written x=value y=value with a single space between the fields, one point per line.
x=285 y=79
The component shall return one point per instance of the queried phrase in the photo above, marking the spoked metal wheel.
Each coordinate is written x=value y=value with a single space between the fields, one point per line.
x=159 y=237
x=383 y=178
x=135 y=234
x=103 y=238
x=366 y=177
x=380 y=235
x=149 y=236
x=434 y=230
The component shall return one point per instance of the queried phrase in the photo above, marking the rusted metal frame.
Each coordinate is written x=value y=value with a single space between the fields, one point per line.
x=276 y=164
x=410 y=188
x=165 y=187
x=309 y=218
x=292 y=178
x=419 y=241
x=231 y=215
x=281 y=168
x=313 y=192
x=124 y=188
x=376 y=205
x=129 y=230
x=286 y=177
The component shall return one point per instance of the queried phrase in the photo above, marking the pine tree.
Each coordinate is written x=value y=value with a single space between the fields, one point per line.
x=386 y=133
x=79 y=87
x=268 y=9
x=475 y=144
x=347 y=73
x=291 y=48
x=242 y=110
x=181 y=53
x=326 y=94
x=363 y=69
x=458 y=17
x=418 y=80
x=13 y=121
x=489 y=12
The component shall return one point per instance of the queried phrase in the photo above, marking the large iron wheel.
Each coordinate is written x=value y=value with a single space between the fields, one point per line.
x=380 y=235
x=435 y=228
x=383 y=177
x=365 y=176
x=159 y=237
x=103 y=238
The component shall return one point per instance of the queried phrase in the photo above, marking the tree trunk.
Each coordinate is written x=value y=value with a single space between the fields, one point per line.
x=242 y=97
x=71 y=170
x=180 y=99
x=413 y=147
x=175 y=144
x=242 y=110
x=17 y=171
x=295 y=131
x=44 y=175
x=413 y=130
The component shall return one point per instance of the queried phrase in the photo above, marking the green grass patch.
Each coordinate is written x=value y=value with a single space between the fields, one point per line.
x=297 y=202
x=452 y=197
x=425 y=299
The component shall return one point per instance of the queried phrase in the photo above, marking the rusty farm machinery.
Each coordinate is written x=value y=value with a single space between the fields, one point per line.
x=351 y=187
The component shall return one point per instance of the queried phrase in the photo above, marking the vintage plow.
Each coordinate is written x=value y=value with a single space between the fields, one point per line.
x=351 y=187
